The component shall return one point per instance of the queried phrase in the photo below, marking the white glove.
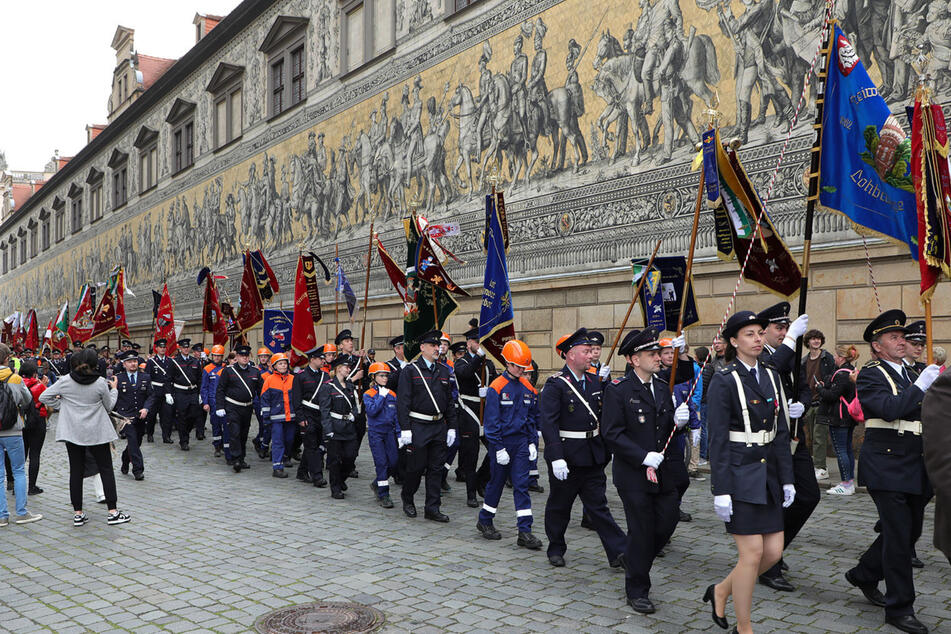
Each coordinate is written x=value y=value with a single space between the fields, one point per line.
x=694 y=436
x=927 y=377
x=480 y=351
x=450 y=437
x=681 y=415
x=799 y=327
x=382 y=390
x=502 y=457
x=653 y=459
x=679 y=343
x=169 y=399
x=532 y=452
x=605 y=371
x=220 y=413
x=789 y=494
x=483 y=391
x=796 y=409
x=723 y=507
x=329 y=435
x=406 y=438
x=560 y=469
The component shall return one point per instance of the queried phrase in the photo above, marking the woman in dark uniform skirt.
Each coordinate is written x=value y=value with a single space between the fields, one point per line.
x=751 y=464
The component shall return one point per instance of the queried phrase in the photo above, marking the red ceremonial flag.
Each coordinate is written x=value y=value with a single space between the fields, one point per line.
x=251 y=310
x=430 y=269
x=212 y=317
x=165 y=322
x=929 y=172
x=122 y=325
x=396 y=274
x=32 y=338
x=48 y=335
x=80 y=328
x=6 y=336
x=104 y=319
x=303 y=339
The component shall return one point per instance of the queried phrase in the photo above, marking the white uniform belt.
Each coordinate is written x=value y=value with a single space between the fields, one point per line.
x=474 y=399
x=311 y=405
x=577 y=434
x=753 y=438
x=341 y=416
x=901 y=426
x=427 y=417
x=234 y=402
x=184 y=387
x=154 y=384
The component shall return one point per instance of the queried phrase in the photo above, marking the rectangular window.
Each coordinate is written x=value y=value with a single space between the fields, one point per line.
x=120 y=193
x=234 y=114
x=34 y=241
x=95 y=203
x=60 y=224
x=22 y=249
x=6 y=263
x=462 y=4
x=228 y=117
x=277 y=87
x=297 y=76
x=13 y=254
x=382 y=26
x=148 y=167
x=355 y=43
x=45 y=233
x=368 y=31
x=76 y=213
x=221 y=122
x=183 y=148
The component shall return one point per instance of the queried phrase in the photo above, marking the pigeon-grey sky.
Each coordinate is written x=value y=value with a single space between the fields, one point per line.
x=57 y=65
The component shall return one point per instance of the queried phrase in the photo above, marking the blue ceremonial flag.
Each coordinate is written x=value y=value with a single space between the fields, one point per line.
x=496 y=318
x=865 y=155
x=277 y=329
x=343 y=287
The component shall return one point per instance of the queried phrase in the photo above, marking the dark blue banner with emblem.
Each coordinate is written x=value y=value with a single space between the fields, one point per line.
x=496 y=317
x=711 y=175
x=663 y=292
x=277 y=329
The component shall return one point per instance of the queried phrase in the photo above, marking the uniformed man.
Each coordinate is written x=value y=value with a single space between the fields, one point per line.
x=58 y=366
x=570 y=406
x=210 y=375
x=444 y=355
x=397 y=363
x=134 y=400
x=469 y=368
x=337 y=414
x=779 y=352
x=200 y=354
x=637 y=419
x=358 y=366
x=915 y=341
x=892 y=467
x=238 y=395
x=427 y=419
x=262 y=441
x=157 y=367
x=311 y=378
x=185 y=377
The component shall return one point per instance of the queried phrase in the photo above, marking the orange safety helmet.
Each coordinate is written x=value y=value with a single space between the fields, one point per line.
x=205 y=350
x=330 y=347
x=263 y=351
x=666 y=343
x=280 y=356
x=378 y=366
x=217 y=349
x=445 y=337
x=517 y=353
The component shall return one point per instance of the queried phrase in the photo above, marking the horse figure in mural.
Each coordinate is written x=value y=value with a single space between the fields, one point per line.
x=307 y=194
x=362 y=158
x=620 y=87
x=508 y=137
x=341 y=191
x=471 y=143
x=565 y=129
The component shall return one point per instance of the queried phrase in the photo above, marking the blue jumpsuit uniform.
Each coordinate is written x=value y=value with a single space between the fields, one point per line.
x=382 y=430
x=220 y=435
x=511 y=423
x=134 y=392
x=262 y=441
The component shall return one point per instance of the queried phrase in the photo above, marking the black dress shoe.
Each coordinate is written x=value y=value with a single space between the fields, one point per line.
x=777 y=583
x=337 y=495
x=321 y=483
x=278 y=473
x=304 y=477
x=444 y=486
x=409 y=510
x=872 y=593
x=907 y=623
x=217 y=452
x=488 y=531
x=34 y=491
x=125 y=469
x=244 y=465
x=536 y=488
x=685 y=517
x=586 y=523
x=386 y=502
x=139 y=476
x=710 y=596
x=150 y=438
x=237 y=467
x=917 y=563
x=472 y=503
x=199 y=436
x=442 y=518
x=557 y=561
x=168 y=441
x=184 y=446
x=619 y=562
x=783 y=566
x=343 y=486
x=642 y=605
x=529 y=541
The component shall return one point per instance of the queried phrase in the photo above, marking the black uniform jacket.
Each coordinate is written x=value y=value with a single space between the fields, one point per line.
x=748 y=474
x=561 y=409
x=158 y=369
x=310 y=382
x=235 y=382
x=412 y=395
x=635 y=422
x=131 y=399
x=186 y=372
x=890 y=461
x=338 y=398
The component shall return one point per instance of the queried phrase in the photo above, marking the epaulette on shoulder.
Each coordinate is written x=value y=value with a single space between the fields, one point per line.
x=872 y=363
x=728 y=368
x=619 y=380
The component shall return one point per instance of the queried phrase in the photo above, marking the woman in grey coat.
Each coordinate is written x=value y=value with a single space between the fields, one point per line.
x=84 y=400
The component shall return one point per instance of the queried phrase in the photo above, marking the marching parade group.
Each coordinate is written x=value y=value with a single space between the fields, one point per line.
x=421 y=415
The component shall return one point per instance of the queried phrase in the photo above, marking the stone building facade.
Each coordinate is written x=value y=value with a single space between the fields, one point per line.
x=292 y=123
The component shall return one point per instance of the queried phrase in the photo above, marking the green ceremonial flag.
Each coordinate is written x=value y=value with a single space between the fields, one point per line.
x=427 y=306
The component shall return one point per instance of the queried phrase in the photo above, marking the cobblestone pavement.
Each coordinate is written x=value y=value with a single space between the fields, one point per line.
x=211 y=550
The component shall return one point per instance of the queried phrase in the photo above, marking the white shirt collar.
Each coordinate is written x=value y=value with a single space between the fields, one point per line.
x=755 y=366
x=898 y=367
x=577 y=378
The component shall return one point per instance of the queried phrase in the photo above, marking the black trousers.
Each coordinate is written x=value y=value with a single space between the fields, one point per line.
x=807 y=498
x=165 y=414
x=188 y=415
x=238 y=420
x=341 y=456
x=427 y=453
x=485 y=469
x=312 y=460
x=468 y=457
x=590 y=484
x=651 y=520
x=889 y=557
x=102 y=454
x=32 y=444
x=132 y=454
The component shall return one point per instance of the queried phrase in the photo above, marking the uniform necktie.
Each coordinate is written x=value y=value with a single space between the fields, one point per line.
x=753 y=374
x=132 y=379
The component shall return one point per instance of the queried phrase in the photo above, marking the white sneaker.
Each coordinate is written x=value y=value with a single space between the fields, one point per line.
x=843 y=488
x=27 y=518
x=822 y=474
x=702 y=463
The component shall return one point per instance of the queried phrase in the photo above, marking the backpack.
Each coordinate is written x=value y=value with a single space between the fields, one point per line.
x=853 y=407
x=32 y=420
x=9 y=411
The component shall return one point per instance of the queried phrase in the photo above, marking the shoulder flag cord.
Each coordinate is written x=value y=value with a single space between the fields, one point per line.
x=871 y=274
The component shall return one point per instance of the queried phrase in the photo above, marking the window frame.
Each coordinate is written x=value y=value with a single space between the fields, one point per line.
x=59 y=219
x=146 y=142
x=119 y=164
x=45 y=229
x=227 y=81
x=369 y=56
x=13 y=253
x=34 y=232
x=75 y=196
x=452 y=7
x=6 y=259
x=182 y=138
x=286 y=39
x=21 y=238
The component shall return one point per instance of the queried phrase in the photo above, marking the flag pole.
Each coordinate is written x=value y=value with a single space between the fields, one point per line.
x=637 y=293
x=336 y=285
x=366 y=287
x=812 y=200
x=688 y=273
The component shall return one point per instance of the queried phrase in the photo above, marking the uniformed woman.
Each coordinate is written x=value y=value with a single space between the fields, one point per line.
x=751 y=464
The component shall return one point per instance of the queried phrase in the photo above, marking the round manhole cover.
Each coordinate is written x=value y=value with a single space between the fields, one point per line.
x=321 y=617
